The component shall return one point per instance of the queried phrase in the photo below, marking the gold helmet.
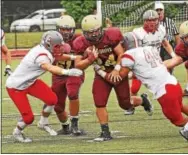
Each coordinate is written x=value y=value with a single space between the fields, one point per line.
x=92 y=28
x=184 y=31
x=66 y=26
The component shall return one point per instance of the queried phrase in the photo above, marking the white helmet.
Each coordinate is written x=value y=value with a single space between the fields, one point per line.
x=150 y=14
x=159 y=5
x=184 y=31
x=53 y=42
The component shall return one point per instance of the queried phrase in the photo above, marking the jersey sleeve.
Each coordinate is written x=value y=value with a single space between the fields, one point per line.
x=42 y=58
x=2 y=38
x=127 y=60
x=114 y=35
x=79 y=46
x=181 y=51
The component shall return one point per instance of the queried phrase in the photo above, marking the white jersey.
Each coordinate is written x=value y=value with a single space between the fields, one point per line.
x=150 y=39
x=2 y=38
x=29 y=68
x=148 y=67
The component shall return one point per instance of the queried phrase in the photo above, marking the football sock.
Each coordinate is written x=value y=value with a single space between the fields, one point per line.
x=43 y=120
x=186 y=87
x=186 y=127
x=105 y=127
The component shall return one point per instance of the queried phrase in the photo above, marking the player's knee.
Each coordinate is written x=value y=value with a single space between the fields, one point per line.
x=28 y=118
x=73 y=95
x=186 y=65
x=125 y=104
x=178 y=122
x=52 y=100
x=58 y=109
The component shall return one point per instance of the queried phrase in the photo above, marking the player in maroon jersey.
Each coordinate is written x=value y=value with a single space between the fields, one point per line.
x=69 y=86
x=103 y=49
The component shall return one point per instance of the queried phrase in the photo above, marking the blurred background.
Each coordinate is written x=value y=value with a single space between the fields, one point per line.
x=27 y=20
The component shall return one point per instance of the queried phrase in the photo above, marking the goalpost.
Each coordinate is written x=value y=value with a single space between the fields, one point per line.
x=110 y=8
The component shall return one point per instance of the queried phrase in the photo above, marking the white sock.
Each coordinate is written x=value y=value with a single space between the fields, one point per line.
x=43 y=120
x=21 y=124
x=17 y=130
x=66 y=123
x=71 y=117
x=186 y=87
x=186 y=127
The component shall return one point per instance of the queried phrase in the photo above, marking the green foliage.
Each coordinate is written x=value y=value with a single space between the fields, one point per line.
x=78 y=9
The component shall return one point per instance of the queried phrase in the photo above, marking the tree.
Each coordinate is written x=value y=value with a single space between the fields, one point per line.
x=79 y=8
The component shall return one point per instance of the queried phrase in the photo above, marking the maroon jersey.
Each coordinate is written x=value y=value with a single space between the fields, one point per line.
x=182 y=51
x=66 y=64
x=107 y=58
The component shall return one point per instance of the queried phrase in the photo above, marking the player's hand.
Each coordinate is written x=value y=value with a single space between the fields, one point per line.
x=114 y=76
x=7 y=71
x=92 y=53
x=107 y=78
x=74 y=72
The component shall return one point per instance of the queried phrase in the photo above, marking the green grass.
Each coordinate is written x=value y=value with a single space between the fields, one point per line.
x=138 y=133
x=25 y=39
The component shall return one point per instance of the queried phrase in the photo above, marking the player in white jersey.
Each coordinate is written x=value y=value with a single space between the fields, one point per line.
x=7 y=53
x=24 y=81
x=148 y=67
x=151 y=34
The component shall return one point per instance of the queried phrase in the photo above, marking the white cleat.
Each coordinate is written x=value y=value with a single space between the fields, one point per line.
x=47 y=128
x=19 y=136
x=129 y=111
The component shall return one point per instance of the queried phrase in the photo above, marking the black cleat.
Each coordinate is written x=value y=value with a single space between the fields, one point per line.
x=74 y=127
x=185 y=93
x=64 y=130
x=104 y=136
x=184 y=134
x=148 y=107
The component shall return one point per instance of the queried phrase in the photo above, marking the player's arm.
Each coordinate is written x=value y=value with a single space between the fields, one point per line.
x=83 y=63
x=59 y=71
x=66 y=57
x=114 y=75
x=168 y=47
x=175 y=61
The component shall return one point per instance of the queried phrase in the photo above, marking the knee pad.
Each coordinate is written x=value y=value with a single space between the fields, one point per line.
x=58 y=109
x=52 y=100
x=28 y=118
x=73 y=95
x=126 y=104
x=186 y=65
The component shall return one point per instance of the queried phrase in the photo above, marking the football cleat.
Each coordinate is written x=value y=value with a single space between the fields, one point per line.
x=185 y=93
x=129 y=111
x=64 y=130
x=20 y=137
x=184 y=133
x=148 y=107
x=47 y=128
x=74 y=127
x=104 y=136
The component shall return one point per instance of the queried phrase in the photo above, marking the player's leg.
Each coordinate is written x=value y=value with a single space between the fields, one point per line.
x=73 y=86
x=101 y=91
x=21 y=101
x=50 y=100
x=186 y=87
x=135 y=86
x=172 y=107
x=59 y=88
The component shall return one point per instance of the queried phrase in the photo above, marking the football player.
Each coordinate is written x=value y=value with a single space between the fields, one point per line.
x=103 y=48
x=69 y=86
x=151 y=34
x=147 y=66
x=24 y=80
x=7 y=53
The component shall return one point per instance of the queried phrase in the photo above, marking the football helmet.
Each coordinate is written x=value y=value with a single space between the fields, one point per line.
x=66 y=26
x=151 y=21
x=92 y=28
x=54 y=43
x=184 y=32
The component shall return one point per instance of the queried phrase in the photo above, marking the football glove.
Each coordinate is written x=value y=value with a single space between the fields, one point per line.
x=7 y=71
x=72 y=72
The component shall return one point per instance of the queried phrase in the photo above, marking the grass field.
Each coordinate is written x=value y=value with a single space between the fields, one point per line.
x=138 y=133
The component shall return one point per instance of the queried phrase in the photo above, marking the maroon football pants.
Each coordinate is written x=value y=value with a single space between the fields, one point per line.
x=101 y=91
